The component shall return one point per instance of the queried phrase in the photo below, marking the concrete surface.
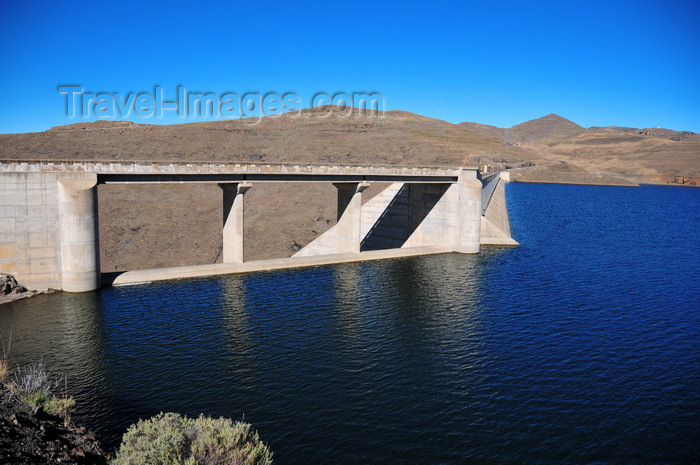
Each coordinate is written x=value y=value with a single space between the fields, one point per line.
x=417 y=215
x=233 y=195
x=29 y=229
x=495 y=225
x=348 y=227
x=180 y=171
x=181 y=272
x=78 y=232
x=49 y=218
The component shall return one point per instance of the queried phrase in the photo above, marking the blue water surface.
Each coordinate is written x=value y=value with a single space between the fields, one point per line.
x=580 y=346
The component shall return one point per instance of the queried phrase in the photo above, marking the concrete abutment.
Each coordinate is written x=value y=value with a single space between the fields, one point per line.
x=48 y=230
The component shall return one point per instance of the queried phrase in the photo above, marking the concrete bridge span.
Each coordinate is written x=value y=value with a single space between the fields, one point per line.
x=49 y=209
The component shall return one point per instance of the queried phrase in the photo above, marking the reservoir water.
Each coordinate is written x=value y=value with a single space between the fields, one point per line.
x=580 y=346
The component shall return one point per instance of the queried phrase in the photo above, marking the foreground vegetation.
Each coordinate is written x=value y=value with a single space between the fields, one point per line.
x=169 y=438
x=166 y=439
x=36 y=386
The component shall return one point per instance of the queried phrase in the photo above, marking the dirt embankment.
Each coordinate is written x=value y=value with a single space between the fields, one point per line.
x=31 y=436
x=564 y=173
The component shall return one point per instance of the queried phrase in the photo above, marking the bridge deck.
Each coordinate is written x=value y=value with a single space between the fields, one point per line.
x=177 y=171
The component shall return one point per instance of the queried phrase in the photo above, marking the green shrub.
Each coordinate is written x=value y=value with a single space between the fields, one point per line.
x=60 y=406
x=36 y=386
x=37 y=398
x=5 y=369
x=171 y=439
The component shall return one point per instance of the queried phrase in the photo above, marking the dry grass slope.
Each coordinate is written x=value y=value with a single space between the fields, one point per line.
x=147 y=226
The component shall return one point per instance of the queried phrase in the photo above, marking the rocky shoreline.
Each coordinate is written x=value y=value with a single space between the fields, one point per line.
x=29 y=435
x=11 y=290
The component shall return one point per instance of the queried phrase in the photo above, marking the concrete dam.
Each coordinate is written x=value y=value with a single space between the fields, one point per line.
x=49 y=210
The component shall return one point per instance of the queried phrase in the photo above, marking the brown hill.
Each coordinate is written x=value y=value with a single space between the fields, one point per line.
x=605 y=155
x=613 y=129
x=486 y=129
x=640 y=156
x=395 y=138
x=136 y=221
x=662 y=133
x=548 y=128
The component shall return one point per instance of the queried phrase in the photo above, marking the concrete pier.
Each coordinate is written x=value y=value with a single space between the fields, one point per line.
x=469 y=212
x=233 y=194
x=78 y=229
x=349 y=216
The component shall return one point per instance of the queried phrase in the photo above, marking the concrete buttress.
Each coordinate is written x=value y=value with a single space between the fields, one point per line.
x=349 y=216
x=469 y=213
x=233 y=220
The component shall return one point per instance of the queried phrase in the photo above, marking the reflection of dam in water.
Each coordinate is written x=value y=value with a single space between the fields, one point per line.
x=231 y=343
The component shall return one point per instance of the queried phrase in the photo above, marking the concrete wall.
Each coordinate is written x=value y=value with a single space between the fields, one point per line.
x=400 y=224
x=29 y=237
x=48 y=217
x=416 y=215
x=495 y=225
x=48 y=230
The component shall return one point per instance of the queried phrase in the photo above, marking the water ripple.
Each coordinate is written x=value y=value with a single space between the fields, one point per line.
x=581 y=346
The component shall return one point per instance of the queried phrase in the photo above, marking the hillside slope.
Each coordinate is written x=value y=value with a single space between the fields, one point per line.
x=397 y=138
x=149 y=226
x=549 y=128
x=604 y=155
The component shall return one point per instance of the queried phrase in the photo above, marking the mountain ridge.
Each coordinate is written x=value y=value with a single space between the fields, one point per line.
x=329 y=136
x=136 y=220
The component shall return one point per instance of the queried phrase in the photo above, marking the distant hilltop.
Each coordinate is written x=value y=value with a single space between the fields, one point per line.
x=550 y=148
x=554 y=128
x=547 y=127
x=605 y=155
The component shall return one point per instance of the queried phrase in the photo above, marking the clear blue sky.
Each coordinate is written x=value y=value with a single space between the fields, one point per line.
x=627 y=63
